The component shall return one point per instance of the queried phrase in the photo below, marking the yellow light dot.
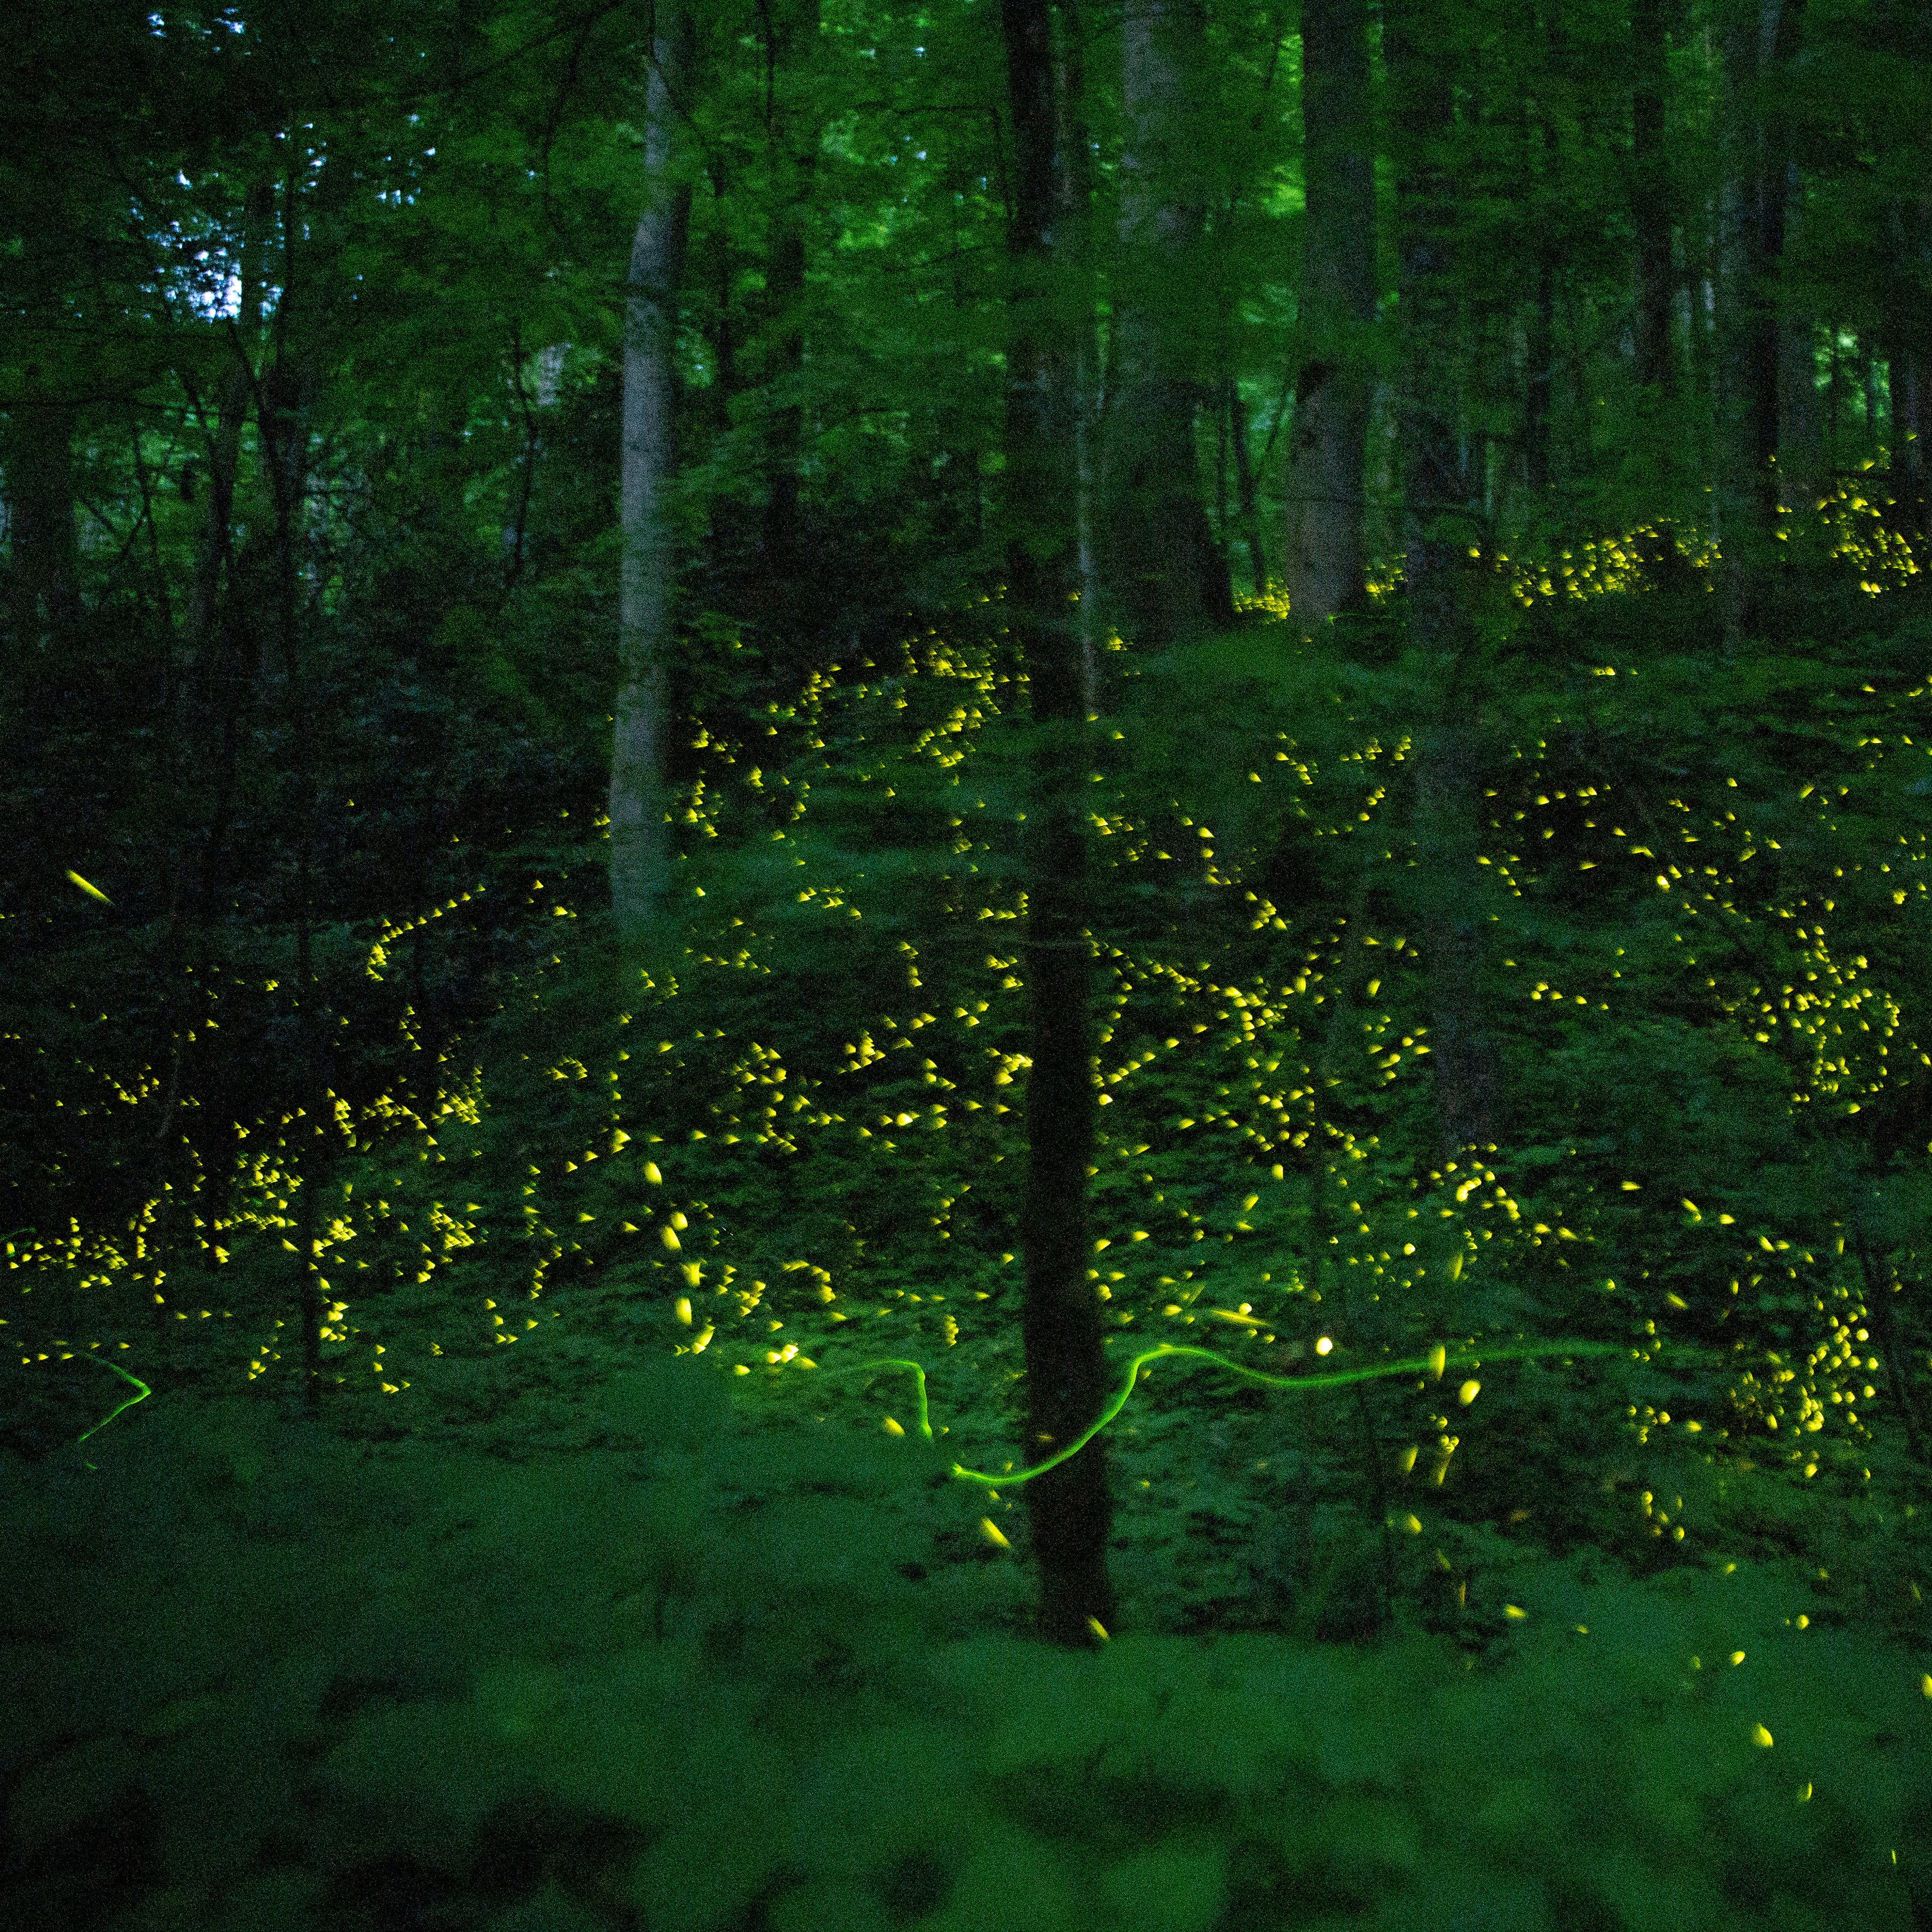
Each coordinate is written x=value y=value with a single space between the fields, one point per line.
x=1468 y=1393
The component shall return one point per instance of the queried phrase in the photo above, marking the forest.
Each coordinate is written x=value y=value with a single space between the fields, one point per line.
x=815 y=1118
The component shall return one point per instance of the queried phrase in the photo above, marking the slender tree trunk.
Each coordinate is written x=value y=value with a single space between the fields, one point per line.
x=43 y=584
x=284 y=396
x=1074 y=239
x=1539 y=377
x=283 y=411
x=1800 y=428
x=1327 y=542
x=1441 y=520
x=721 y=276
x=1660 y=294
x=790 y=29
x=1880 y=1287
x=1169 y=579
x=1911 y=433
x=219 y=626
x=1068 y=1507
x=639 y=845
x=1909 y=360
x=1539 y=336
x=1751 y=237
x=1651 y=199
x=1701 y=336
x=1904 y=31
x=1244 y=486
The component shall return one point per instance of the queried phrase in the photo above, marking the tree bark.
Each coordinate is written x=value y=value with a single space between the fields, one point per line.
x=1068 y=1507
x=1903 y=33
x=1751 y=206
x=1244 y=486
x=1074 y=233
x=791 y=33
x=1801 y=427
x=640 y=850
x=43 y=584
x=1539 y=383
x=1650 y=198
x=1908 y=368
x=1441 y=520
x=1168 y=578
x=1327 y=556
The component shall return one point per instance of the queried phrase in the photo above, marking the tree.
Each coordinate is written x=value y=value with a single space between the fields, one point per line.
x=1327 y=538
x=1441 y=523
x=1650 y=198
x=1756 y=38
x=790 y=32
x=1169 y=578
x=641 y=853
x=1068 y=1507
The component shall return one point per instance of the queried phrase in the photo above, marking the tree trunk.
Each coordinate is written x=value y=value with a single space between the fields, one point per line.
x=639 y=845
x=1327 y=557
x=43 y=584
x=1751 y=204
x=1168 y=578
x=1074 y=237
x=791 y=34
x=1441 y=520
x=1068 y=1507
x=1801 y=427
x=1909 y=368
x=1539 y=383
x=1651 y=199
x=1244 y=486
x=1903 y=34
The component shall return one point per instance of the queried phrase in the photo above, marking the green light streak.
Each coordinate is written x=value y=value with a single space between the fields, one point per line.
x=1435 y=1364
x=141 y=1394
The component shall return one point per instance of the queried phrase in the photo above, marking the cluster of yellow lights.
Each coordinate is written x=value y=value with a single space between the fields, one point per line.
x=1254 y=1080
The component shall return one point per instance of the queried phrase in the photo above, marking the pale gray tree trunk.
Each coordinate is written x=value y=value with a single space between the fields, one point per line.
x=1326 y=539
x=639 y=844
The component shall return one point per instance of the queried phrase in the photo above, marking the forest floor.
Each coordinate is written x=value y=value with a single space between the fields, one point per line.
x=599 y=1646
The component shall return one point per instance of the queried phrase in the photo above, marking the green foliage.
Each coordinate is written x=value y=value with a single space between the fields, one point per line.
x=597 y=1584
